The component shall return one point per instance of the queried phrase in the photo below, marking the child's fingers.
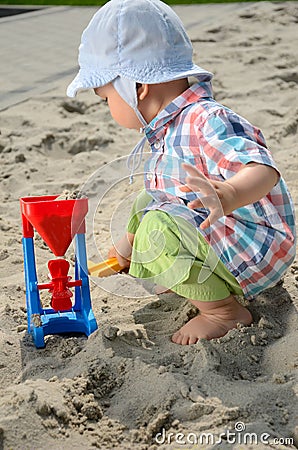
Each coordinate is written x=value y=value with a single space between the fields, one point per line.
x=192 y=170
x=204 y=187
x=195 y=185
x=209 y=198
x=205 y=224
x=195 y=204
x=196 y=181
x=123 y=262
x=199 y=185
x=214 y=215
x=207 y=202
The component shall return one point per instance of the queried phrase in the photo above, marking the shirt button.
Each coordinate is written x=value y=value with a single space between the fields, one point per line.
x=157 y=144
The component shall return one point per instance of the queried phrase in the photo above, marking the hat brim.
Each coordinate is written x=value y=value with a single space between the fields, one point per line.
x=86 y=79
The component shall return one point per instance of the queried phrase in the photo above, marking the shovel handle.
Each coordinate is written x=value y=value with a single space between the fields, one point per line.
x=105 y=268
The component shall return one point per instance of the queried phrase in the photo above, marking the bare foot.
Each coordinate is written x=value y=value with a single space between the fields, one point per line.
x=214 y=321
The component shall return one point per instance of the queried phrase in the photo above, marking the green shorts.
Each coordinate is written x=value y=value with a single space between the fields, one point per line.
x=172 y=253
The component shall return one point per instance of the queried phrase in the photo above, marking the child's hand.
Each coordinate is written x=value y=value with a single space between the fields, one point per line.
x=251 y=183
x=218 y=197
x=122 y=250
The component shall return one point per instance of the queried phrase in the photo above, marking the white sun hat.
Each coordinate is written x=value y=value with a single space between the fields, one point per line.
x=141 y=40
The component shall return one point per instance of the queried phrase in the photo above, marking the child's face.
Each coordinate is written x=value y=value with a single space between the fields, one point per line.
x=121 y=112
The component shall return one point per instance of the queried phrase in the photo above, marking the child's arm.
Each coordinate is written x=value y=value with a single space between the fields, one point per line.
x=122 y=250
x=249 y=185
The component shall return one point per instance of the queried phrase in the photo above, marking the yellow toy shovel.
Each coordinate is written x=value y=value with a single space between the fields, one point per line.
x=105 y=268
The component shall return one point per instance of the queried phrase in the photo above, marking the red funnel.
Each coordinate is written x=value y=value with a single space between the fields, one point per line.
x=56 y=221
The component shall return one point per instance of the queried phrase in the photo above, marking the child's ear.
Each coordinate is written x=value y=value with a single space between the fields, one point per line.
x=142 y=91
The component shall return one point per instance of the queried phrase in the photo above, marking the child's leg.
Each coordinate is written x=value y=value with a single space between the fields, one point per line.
x=172 y=253
x=137 y=211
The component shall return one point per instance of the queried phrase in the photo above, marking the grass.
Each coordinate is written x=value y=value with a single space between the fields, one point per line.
x=102 y=2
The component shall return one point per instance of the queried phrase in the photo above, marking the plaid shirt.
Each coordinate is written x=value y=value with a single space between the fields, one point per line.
x=255 y=242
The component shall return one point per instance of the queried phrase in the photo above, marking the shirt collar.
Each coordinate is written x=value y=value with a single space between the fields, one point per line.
x=155 y=129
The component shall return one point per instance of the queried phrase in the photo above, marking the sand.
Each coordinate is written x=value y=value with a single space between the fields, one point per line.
x=127 y=381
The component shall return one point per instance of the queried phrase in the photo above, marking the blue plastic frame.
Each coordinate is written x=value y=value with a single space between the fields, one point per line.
x=45 y=321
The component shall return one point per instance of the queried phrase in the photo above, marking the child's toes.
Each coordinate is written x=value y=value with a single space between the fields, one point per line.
x=184 y=338
x=193 y=340
x=177 y=337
